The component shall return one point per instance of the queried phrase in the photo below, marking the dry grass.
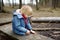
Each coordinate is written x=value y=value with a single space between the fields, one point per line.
x=47 y=12
x=43 y=12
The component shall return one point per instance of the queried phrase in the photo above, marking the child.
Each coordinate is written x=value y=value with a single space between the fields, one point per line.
x=20 y=22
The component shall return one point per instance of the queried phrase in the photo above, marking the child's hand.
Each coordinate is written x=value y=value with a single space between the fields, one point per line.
x=28 y=32
x=33 y=32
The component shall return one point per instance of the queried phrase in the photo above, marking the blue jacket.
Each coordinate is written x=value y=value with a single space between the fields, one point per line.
x=18 y=24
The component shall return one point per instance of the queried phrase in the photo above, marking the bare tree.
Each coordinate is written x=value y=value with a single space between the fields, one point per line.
x=59 y=3
x=9 y=3
x=49 y=3
x=20 y=3
x=1 y=5
x=37 y=8
x=55 y=3
x=39 y=2
x=13 y=3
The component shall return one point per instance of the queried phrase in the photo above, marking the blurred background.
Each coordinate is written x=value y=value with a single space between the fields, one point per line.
x=41 y=8
x=44 y=8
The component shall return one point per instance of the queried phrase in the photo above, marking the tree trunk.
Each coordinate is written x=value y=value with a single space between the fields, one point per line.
x=50 y=3
x=15 y=2
x=39 y=2
x=2 y=3
x=58 y=3
x=20 y=4
x=54 y=3
x=12 y=3
x=37 y=8
x=9 y=3
x=1 y=6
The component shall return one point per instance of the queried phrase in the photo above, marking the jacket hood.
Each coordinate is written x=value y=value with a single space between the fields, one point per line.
x=17 y=12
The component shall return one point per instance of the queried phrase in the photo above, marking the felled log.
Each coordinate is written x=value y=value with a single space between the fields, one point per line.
x=45 y=29
x=46 y=19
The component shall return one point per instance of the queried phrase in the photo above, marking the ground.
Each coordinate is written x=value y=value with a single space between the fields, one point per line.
x=43 y=12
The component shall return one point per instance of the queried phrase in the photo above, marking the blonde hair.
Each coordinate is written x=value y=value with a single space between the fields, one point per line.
x=26 y=10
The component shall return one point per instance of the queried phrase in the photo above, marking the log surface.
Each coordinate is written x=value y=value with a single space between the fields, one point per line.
x=46 y=19
x=38 y=29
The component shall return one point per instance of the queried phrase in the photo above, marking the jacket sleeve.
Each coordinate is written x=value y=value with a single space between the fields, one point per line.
x=29 y=25
x=17 y=25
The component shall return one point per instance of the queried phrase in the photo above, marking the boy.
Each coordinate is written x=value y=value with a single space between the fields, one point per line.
x=20 y=22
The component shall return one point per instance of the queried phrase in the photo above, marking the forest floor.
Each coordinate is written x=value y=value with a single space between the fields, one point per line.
x=43 y=12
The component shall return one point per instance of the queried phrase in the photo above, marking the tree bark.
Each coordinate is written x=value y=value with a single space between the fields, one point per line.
x=13 y=3
x=54 y=3
x=59 y=3
x=37 y=8
x=20 y=4
x=2 y=3
x=1 y=6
